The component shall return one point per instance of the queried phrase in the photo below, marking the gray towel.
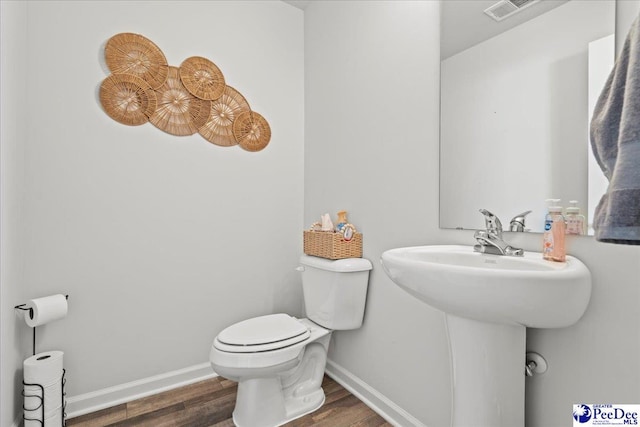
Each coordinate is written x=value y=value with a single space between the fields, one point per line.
x=615 y=139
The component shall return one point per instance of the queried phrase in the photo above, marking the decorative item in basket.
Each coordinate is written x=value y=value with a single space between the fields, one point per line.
x=326 y=241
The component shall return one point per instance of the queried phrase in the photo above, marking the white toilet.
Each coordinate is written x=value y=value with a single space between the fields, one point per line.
x=278 y=360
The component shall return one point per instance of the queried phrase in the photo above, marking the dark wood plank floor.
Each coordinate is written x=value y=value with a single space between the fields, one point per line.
x=210 y=403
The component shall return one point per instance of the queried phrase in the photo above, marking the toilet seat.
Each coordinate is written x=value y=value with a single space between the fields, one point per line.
x=225 y=357
x=260 y=334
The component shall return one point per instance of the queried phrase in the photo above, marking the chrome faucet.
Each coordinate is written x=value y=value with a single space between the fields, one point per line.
x=490 y=241
x=517 y=222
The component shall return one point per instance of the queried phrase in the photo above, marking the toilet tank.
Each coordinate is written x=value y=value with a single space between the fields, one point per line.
x=335 y=292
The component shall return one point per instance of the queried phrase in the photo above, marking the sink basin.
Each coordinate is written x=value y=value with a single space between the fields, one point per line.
x=527 y=291
x=489 y=301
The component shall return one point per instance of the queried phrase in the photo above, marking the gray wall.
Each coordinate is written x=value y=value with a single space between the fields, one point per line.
x=380 y=113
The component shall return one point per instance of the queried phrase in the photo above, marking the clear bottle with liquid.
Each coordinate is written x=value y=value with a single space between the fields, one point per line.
x=575 y=220
x=553 y=248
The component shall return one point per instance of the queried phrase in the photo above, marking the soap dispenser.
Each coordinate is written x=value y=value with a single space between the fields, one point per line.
x=575 y=220
x=553 y=248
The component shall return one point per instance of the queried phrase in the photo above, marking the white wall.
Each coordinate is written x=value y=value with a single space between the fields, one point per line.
x=371 y=147
x=380 y=112
x=14 y=344
x=160 y=241
x=516 y=104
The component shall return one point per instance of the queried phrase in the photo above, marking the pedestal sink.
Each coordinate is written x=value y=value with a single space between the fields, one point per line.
x=489 y=301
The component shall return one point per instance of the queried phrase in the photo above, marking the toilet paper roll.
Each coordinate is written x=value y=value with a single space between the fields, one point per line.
x=46 y=309
x=54 y=420
x=43 y=368
x=33 y=400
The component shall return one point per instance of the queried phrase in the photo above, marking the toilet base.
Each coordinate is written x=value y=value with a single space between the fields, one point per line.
x=271 y=396
x=300 y=406
x=275 y=400
x=260 y=403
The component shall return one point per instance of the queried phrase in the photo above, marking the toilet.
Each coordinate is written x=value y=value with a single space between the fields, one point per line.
x=279 y=360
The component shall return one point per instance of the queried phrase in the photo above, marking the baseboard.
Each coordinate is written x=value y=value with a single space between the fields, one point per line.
x=371 y=397
x=116 y=395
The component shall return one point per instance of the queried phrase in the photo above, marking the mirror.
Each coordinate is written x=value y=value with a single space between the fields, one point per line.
x=516 y=101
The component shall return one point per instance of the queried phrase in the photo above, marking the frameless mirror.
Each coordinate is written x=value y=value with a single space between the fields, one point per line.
x=516 y=99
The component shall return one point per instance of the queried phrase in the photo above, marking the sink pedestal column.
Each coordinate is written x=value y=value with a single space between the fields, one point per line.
x=488 y=373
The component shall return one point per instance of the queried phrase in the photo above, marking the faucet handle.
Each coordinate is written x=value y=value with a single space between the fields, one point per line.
x=492 y=223
x=517 y=222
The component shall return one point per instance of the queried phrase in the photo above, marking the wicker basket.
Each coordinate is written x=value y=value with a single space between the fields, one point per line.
x=332 y=245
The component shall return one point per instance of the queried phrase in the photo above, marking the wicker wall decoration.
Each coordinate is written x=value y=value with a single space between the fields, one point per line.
x=219 y=126
x=202 y=77
x=252 y=131
x=178 y=112
x=128 y=53
x=127 y=99
x=192 y=98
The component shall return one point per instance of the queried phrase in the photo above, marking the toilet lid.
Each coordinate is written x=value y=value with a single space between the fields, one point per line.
x=263 y=333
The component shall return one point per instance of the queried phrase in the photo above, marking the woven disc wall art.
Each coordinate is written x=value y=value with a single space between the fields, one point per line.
x=202 y=78
x=252 y=131
x=178 y=112
x=127 y=99
x=193 y=97
x=218 y=128
x=129 y=53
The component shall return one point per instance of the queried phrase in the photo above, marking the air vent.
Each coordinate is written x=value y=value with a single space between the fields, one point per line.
x=505 y=8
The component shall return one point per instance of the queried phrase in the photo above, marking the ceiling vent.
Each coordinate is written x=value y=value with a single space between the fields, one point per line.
x=505 y=8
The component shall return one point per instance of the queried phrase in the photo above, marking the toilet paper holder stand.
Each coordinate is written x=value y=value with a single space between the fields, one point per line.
x=24 y=307
x=40 y=408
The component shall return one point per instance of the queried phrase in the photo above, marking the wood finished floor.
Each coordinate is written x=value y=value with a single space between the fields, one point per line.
x=210 y=403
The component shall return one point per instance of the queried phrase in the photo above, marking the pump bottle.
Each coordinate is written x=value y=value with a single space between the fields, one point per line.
x=575 y=220
x=553 y=248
